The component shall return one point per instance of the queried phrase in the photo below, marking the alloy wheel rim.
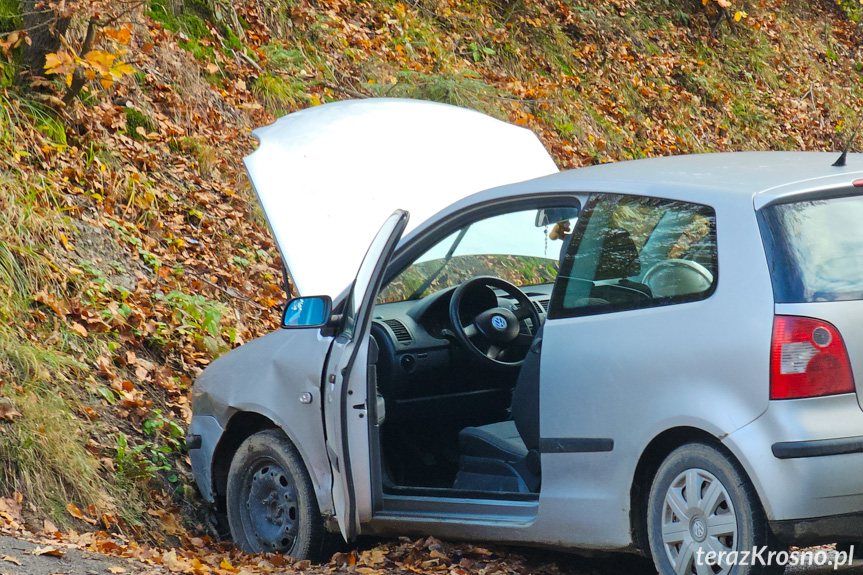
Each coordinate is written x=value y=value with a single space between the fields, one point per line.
x=272 y=507
x=698 y=515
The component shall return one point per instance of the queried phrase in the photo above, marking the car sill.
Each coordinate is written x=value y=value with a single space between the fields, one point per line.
x=449 y=509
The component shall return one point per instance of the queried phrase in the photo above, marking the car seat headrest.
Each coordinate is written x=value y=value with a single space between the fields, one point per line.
x=618 y=257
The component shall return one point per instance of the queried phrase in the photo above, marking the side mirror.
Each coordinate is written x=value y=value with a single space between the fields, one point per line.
x=307 y=312
x=551 y=216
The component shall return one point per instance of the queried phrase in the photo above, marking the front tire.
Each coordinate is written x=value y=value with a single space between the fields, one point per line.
x=271 y=500
x=701 y=500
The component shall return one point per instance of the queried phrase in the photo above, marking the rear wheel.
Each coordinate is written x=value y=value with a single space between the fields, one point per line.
x=271 y=501
x=701 y=502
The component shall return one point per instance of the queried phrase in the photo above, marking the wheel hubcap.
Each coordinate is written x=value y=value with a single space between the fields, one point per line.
x=272 y=507
x=697 y=514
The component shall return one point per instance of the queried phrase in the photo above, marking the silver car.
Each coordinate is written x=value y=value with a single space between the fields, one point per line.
x=657 y=356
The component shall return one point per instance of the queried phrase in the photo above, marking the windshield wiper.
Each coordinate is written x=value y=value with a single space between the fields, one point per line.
x=425 y=285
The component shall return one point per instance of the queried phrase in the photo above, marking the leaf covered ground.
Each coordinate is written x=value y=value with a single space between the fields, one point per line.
x=132 y=252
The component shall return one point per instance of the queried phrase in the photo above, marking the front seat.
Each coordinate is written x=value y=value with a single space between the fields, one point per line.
x=504 y=456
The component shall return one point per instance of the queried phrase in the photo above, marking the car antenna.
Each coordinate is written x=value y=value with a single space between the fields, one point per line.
x=840 y=163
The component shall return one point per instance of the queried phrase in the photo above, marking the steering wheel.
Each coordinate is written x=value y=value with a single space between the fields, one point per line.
x=676 y=276
x=494 y=333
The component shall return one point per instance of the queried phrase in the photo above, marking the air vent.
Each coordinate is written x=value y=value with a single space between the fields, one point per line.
x=401 y=332
x=540 y=306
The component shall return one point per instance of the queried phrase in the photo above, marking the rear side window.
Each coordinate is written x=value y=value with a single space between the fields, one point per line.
x=632 y=252
x=815 y=249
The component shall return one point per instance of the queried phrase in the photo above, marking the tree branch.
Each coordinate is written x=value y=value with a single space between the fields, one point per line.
x=78 y=79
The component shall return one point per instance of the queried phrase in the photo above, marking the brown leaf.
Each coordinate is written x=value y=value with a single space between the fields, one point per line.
x=8 y=411
x=76 y=513
x=47 y=550
x=10 y=559
x=79 y=329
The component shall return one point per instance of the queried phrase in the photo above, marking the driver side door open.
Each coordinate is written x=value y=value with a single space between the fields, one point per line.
x=345 y=385
x=454 y=329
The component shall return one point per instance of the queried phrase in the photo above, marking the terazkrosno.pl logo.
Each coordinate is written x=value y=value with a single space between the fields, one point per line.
x=762 y=556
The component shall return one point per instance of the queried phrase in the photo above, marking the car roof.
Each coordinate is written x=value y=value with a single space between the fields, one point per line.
x=737 y=172
x=764 y=177
x=757 y=178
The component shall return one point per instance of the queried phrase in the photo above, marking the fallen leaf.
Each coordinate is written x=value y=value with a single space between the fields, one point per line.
x=47 y=550
x=10 y=559
x=79 y=329
x=8 y=411
x=76 y=513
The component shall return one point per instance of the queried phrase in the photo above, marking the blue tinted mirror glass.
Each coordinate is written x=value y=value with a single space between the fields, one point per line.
x=307 y=312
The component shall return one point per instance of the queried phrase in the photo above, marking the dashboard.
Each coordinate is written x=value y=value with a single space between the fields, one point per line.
x=419 y=356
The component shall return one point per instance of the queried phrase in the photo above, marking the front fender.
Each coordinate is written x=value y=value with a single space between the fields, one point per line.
x=267 y=377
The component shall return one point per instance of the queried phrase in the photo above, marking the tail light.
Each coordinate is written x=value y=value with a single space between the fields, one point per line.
x=808 y=359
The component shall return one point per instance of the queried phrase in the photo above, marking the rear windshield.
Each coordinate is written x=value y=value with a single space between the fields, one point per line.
x=816 y=249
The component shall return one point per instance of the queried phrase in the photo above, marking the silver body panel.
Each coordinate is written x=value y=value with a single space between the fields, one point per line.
x=628 y=376
x=267 y=376
x=807 y=487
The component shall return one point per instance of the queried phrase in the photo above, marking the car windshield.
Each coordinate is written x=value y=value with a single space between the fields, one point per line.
x=510 y=246
x=817 y=249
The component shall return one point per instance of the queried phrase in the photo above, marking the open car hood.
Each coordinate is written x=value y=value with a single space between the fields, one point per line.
x=328 y=176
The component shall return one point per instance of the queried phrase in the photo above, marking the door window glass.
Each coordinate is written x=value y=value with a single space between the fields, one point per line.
x=521 y=247
x=632 y=252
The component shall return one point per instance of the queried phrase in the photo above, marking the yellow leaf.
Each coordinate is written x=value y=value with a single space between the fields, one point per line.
x=226 y=565
x=739 y=15
x=120 y=68
x=90 y=74
x=106 y=82
x=100 y=60
x=59 y=62
x=66 y=243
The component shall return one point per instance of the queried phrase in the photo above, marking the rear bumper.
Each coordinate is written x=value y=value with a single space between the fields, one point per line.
x=805 y=459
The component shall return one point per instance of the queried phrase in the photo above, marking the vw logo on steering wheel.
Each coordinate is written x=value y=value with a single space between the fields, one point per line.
x=498 y=322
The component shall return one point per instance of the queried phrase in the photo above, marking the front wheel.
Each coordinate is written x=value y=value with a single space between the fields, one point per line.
x=701 y=508
x=271 y=501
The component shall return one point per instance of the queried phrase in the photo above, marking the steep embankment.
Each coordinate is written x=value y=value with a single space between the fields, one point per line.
x=132 y=252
